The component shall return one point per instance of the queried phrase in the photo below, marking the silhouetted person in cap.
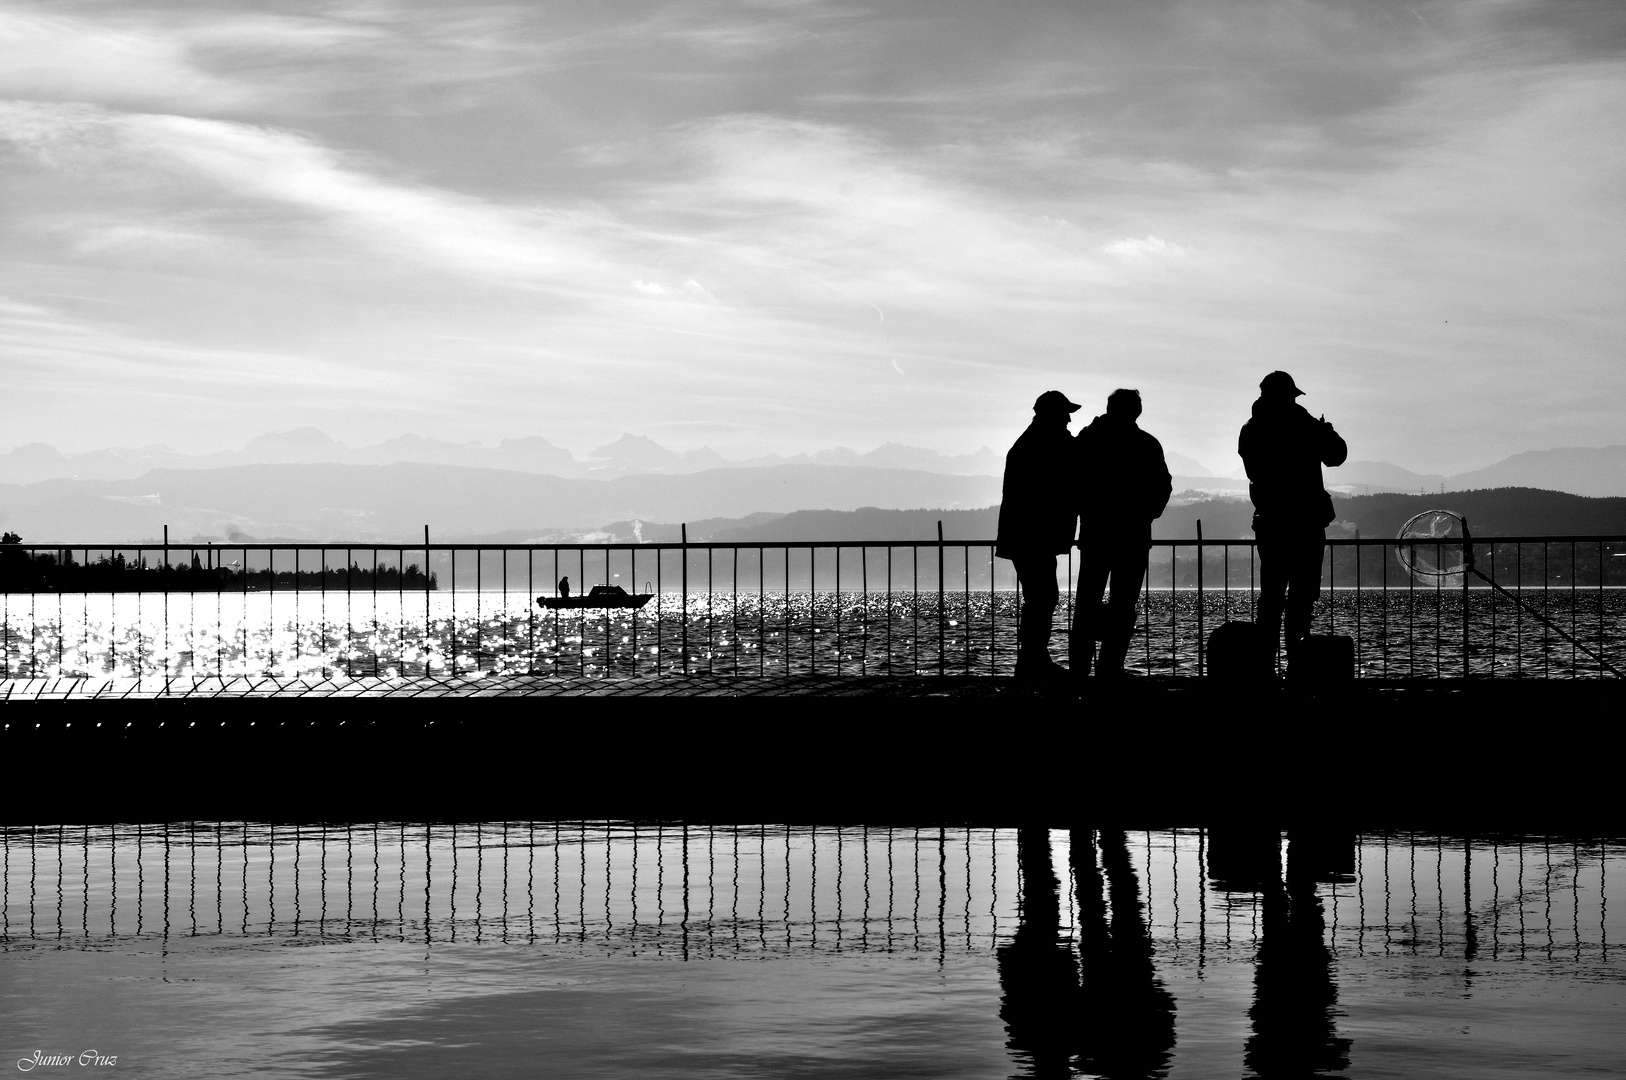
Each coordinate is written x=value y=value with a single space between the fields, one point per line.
x=564 y=588
x=1125 y=485
x=1283 y=448
x=1037 y=519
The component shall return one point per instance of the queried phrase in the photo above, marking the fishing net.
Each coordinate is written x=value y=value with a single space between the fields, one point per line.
x=1431 y=547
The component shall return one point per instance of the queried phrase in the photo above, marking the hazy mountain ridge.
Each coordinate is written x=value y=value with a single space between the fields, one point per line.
x=391 y=504
x=1597 y=472
x=630 y=454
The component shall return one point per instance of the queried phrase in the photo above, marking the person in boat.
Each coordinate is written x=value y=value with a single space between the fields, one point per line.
x=1283 y=448
x=1125 y=486
x=1036 y=523
x=564 y=588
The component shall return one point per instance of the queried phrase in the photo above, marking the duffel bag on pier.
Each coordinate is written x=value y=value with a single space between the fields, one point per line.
x=1329 y=658
x=1237 y=652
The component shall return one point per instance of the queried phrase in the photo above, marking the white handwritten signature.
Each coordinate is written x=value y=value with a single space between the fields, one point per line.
x=89 y=1057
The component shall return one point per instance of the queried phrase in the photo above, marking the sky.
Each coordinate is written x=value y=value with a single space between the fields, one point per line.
x=779 y=226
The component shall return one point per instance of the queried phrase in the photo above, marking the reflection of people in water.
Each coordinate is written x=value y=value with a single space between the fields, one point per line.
x=564 y=588
x=1037 y=973
x=1294 y=993
x=1128 y=1028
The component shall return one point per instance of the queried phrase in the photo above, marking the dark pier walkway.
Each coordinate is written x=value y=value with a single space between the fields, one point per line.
x=815 y=749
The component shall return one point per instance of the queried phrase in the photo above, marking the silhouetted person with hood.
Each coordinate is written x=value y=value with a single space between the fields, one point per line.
x=1122 y=484
x=1037 y=519
x=1283 y=448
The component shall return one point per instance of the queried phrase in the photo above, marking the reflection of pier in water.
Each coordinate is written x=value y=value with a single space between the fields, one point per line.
x=685 y=891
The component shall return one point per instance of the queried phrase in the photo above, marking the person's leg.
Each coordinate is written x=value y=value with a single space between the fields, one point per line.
x=1039 y=595
x=1093 y=569
x=1274 y=558
x=1128 y=571
x=1304 y=585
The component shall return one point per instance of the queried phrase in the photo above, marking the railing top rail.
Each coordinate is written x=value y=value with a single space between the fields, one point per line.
x=771 y=545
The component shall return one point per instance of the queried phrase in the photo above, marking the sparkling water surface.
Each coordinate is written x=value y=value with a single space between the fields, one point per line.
x=1399 y=633
x=613 y=949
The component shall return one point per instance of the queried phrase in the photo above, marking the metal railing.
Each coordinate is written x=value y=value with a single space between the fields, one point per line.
x=708 y=889
x=1545 y=607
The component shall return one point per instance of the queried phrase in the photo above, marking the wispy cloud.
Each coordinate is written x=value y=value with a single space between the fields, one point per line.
x=756 y=217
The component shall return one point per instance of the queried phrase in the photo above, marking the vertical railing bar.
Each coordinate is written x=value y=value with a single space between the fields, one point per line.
x=1174 y=608
x=863 y=637
x=1200 y=653
x=838 y=609
x=660 y=595
x=812 y=609
x=965 y=624
x=711 y=618
x=683 y=534
x=942 y=614
x=1359 y=598
x=762 y=610
x=993 y=645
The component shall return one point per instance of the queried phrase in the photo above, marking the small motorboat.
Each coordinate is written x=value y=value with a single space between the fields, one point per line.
x=601 y=596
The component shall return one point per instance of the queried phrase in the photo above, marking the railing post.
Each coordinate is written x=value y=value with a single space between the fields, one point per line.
x=942 y=609
x=683 y=538
x=1200 y=642
x=1467 y=572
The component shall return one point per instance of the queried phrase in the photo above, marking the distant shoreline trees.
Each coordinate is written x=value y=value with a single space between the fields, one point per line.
x=22 y=571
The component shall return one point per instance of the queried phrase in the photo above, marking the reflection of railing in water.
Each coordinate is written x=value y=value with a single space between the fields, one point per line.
x=836 y=608
x=699 y=890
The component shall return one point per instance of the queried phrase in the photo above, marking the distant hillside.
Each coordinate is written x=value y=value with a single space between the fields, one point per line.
x=1598 y=472
x=1508 y=511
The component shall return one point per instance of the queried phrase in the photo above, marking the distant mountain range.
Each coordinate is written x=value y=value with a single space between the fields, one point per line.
x=1595 y=471
x=628 y=455
x=1497 y=512
x=393 y=503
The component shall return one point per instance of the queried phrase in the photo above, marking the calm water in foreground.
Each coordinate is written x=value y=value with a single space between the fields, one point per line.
x=608 y=950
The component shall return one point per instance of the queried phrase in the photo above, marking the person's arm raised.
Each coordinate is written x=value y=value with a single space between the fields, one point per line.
x=1334 y=451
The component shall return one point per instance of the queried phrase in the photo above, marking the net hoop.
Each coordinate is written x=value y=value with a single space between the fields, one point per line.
x=1430 y=547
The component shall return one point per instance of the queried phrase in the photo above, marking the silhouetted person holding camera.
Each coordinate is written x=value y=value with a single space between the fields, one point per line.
x=1283 y=448
x=1126 y=486
x=1037 y=518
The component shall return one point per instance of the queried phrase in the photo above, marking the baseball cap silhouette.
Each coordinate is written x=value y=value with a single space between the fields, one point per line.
x=1279 y=382
x=1054 y=401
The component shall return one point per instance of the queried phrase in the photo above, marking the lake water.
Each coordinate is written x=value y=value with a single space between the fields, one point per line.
x=613 y=949
x=1400 y=633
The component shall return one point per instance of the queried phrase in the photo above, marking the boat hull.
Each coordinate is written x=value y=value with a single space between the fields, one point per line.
x=635 y=600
